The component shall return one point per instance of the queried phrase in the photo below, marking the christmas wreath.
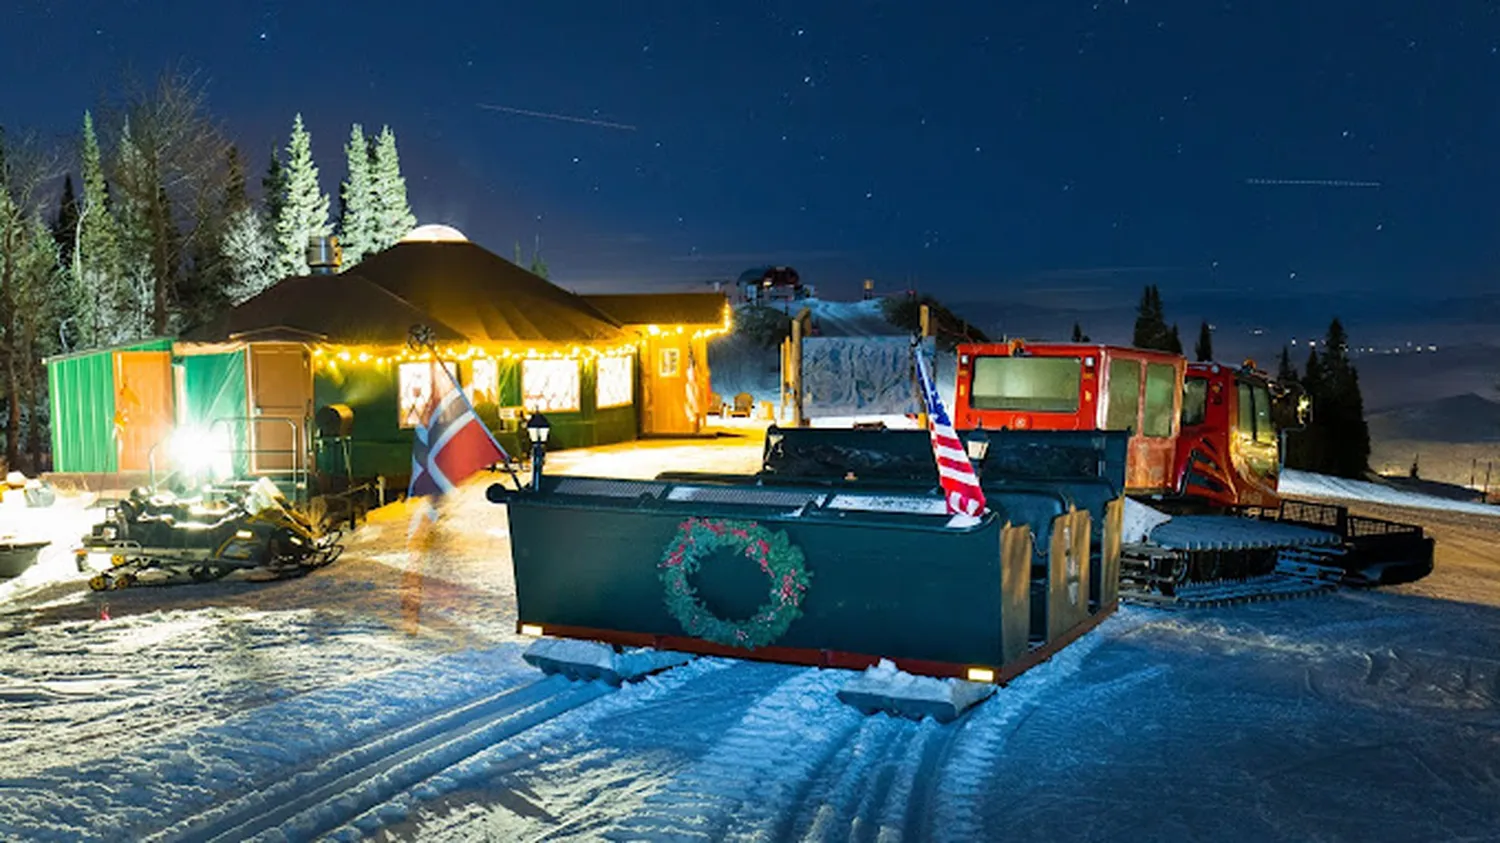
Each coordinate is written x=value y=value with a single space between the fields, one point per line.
x=781 y=561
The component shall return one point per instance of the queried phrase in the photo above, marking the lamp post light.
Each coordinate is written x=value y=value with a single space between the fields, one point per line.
x=537 y=430
x=977 y=446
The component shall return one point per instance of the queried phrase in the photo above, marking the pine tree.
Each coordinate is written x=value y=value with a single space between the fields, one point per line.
x=1341 y=416
x=393 y=216
x=538 y=266
x=1203 y=350
x=249 y=250
x=96 y=256
x=305 y=214
x=1174 y=341
x=358 y=223
x=65 y=224
x=1286 y=373
x=273 y=187
x=1151 y=329
x=236 y=194
x=1078 y=334
x=134 y=305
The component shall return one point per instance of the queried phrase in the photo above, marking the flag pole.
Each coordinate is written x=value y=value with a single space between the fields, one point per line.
x=420 y=337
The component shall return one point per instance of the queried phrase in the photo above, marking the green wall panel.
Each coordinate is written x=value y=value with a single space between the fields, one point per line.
x=82 y=391
x=215 y=392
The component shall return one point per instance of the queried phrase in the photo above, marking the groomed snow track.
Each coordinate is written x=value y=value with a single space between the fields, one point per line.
x=340 y=788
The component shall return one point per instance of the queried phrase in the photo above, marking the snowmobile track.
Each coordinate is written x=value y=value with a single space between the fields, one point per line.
x=342 y=787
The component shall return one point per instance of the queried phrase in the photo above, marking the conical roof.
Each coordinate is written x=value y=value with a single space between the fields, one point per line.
x=460 y=290
x=484 y=296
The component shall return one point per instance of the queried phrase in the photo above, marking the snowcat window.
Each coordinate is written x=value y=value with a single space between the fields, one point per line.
x=1034 y=384
x=1245 y=421
x=1194 y=401
x=1161 y=391
x=1265 y=431
x=1124 y=395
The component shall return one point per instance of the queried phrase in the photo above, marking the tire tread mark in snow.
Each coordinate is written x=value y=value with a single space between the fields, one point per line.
x=742 y=781
x=389 y=763
x=831 y=814
x=926 y=780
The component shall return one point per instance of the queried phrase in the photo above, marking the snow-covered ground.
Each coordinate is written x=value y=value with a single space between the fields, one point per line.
x=384 y=697
x=1303 y=484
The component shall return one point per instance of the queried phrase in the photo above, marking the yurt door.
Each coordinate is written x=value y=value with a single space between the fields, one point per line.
x=143 y=407
x=280 y=404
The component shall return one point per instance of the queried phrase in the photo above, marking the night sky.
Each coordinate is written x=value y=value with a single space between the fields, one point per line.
x=1271 y=162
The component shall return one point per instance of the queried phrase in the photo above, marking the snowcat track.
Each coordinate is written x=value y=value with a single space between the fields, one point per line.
x=1170 y=578
x=341 y=787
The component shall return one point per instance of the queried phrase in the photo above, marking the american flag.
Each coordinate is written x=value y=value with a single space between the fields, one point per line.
x=451 y=443
x=955 y=472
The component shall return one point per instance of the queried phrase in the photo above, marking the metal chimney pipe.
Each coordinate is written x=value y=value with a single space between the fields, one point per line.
x=324 y=255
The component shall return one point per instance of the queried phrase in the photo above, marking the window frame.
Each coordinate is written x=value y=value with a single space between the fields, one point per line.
x=402 y=408
x=1135 y=394
x=1146 y=412
x=532 y=407
x=665 y=353
x=628 y=363
x=992 y=402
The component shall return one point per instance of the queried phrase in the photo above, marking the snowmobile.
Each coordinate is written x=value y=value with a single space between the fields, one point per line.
x=162 y=539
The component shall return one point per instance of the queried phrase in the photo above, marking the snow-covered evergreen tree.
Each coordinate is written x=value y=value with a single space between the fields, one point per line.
x=127 y=313
x=393 y=217
x=358 y=224
x=96 y=256
x=250 y=251
x=305 y=214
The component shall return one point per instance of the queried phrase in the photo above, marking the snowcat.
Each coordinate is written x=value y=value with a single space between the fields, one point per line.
x=158 y=538
x=1205 y=446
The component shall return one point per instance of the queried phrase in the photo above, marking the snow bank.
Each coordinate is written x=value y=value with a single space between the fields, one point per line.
x=1140 y=520
x=885 y=688
x=1305 y=484
x=64 y=524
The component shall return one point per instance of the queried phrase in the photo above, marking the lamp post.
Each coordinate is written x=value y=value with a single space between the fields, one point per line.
x=537 y=430
x=977 y=446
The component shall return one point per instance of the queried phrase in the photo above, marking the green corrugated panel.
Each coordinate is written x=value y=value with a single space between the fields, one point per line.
x=215 y=388
x=82 y=389
x=158 y=344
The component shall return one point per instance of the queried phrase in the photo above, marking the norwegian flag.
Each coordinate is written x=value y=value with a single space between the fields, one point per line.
x=955 y=472
x=451 y=443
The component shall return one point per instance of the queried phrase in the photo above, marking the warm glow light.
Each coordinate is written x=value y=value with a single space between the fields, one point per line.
x=531 y=629
x=981 y=674
x=328 y=355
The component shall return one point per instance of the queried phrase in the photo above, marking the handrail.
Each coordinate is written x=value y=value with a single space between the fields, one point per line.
x=298 y=451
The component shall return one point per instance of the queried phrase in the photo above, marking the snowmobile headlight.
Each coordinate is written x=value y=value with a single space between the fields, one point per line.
x=243 y=534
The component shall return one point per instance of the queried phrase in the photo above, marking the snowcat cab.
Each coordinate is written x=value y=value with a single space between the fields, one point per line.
x=1072 y=386
x=1228 y=453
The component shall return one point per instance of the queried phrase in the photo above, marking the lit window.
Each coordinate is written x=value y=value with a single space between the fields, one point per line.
x=550 y=385
x=1124 y=385
x=484 y=381
x=415 y=384
x=671 y=363
x=616 y=382
x=1161 y=394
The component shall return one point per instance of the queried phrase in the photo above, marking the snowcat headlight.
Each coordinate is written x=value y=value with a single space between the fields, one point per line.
x=531 y=629
x=981 y=674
